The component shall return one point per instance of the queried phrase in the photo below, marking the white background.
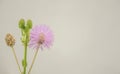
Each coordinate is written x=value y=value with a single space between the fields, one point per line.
x=87 y=35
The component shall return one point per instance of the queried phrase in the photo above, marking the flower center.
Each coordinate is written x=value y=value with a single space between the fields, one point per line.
x=41 y=39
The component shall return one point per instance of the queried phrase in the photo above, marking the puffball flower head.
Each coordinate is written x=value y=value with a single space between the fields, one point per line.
x=41 y=36
x=10 y=40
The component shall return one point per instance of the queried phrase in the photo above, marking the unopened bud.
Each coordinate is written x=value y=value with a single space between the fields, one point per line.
x=22 y=24
x=29 y=24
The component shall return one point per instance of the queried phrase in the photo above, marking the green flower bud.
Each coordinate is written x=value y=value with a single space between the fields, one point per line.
x=22 y=24
x=29 y=24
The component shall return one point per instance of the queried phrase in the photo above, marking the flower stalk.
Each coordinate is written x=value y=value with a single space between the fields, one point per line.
x=25 y=58
x=25 y=40
x=16 y=59
x=33 y=61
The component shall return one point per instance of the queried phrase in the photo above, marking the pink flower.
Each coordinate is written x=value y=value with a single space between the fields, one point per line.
x=41 y=36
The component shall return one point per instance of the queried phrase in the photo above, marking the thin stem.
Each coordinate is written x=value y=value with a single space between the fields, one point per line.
x=16 y=59
x=25 y=58
x=33 y=60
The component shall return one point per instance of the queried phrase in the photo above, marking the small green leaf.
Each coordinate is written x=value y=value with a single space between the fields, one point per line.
x=24 y=63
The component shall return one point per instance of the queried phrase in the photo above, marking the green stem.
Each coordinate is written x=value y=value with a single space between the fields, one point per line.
x=25 y=57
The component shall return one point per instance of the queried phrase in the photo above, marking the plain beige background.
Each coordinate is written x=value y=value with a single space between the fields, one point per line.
x=87 y=35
